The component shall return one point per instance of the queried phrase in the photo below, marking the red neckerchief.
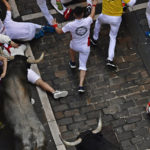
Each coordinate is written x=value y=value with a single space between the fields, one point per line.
x=7 y=48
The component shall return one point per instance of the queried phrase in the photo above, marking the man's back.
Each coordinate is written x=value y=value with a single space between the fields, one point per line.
x=112 y=7
x=80 y=29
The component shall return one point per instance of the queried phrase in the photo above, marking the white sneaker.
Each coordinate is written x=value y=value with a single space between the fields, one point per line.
x=59 y=94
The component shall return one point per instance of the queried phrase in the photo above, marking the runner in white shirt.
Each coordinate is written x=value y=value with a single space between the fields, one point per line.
x=112 y=11
x=23 y=31
x=80 y=30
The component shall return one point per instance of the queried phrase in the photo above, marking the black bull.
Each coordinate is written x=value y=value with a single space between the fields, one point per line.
x=92 y=140
x=17 y=107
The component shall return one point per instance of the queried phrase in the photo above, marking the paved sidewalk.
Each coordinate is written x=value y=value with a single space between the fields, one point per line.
x=120 y=96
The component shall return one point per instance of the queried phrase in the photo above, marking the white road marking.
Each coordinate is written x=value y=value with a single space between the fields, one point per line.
x=47 y=108
x=44 y=100
x=138 y=7
x=15 y=11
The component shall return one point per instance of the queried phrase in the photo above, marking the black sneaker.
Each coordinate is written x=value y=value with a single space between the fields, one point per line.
x=93 y=42
x=72 y=65
x=111 y=64
x=88 y=10
x=81 y=89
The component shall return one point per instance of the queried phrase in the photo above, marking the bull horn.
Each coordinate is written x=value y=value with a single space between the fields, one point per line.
x=99 y=126
x=31 y=61
x=76 y=142
x=8 y=57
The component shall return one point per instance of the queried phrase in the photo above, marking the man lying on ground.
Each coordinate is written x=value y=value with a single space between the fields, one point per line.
x=23 y=31
x=33 y=77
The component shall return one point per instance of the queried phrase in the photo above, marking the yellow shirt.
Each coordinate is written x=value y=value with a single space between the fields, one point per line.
x=113 y=7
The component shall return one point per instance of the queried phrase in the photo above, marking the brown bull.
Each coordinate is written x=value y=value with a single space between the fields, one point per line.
x=17 y=107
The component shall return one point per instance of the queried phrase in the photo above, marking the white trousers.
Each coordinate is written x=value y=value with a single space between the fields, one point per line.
x=84 y=51
x=23 y=31
x=45 y=11
x=148 y=13
x=32 y=76
x=114 y=22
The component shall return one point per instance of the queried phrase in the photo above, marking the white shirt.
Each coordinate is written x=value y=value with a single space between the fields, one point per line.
x=19 y=30
x=80 y=30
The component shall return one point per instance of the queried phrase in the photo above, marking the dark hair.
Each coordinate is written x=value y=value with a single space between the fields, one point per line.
x=78 y=11
x=3 y=10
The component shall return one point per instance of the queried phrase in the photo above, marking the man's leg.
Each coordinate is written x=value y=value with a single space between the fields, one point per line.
x=45 y=86
x=45 y=11
x=114 y=28
x=82 y=77
x=72 y=56
x=35 y=79
x=96 y=30
x=83 y=57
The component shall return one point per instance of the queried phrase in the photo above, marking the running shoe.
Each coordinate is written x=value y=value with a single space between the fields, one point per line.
x=59 y=94
x=110 y=64
x=93 y=42
x=81 y=89
x=72 y=65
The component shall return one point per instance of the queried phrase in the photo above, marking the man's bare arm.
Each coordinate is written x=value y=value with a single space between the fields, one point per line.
x=7 y=5
x=94 y=3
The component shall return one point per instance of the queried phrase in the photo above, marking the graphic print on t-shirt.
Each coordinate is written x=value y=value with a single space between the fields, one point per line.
x=81 y=30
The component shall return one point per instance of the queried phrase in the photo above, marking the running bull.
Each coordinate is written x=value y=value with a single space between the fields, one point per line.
x=92 y=140
x=18 y=110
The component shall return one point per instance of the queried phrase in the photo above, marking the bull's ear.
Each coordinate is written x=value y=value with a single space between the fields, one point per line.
x=99 y=126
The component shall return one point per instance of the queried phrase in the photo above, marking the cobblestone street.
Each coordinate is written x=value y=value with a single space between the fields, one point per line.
x=121 y=96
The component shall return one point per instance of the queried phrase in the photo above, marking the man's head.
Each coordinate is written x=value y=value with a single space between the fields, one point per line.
x=78 y=12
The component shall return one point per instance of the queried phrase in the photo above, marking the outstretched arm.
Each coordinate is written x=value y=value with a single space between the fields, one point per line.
x=7 y=5
x=94 y=2
x=55 y=25
x=4 y=60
